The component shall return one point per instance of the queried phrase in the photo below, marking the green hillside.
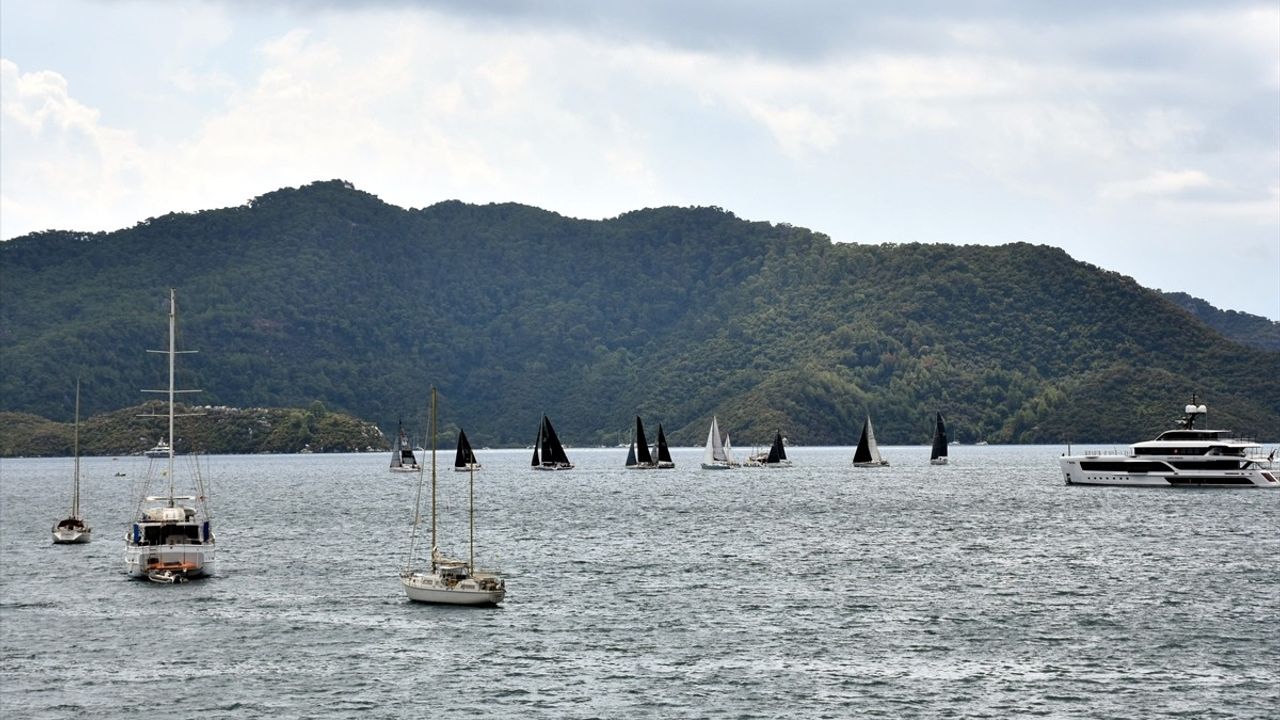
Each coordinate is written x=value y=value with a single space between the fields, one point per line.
x=326 y=293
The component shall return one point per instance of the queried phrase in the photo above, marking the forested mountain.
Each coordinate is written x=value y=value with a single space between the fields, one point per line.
x=325 y=293
x=1242 y=327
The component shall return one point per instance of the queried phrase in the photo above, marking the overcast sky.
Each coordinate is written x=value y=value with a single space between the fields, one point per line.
x=1143 y=137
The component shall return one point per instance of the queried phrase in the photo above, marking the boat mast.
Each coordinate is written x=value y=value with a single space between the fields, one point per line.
x=433 y=478
x=471 y=567
x=173 y=309
x=75 y=494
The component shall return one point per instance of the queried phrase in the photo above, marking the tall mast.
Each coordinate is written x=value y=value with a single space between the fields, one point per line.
x=433 y=478
x=472 y=563
x=173 y=310
x=75 y=495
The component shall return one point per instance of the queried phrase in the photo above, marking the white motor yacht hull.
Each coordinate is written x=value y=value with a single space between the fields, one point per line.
x=1074 y=473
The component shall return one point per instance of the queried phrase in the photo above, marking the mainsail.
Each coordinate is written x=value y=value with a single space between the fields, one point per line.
x=642 y=445
x=868 y=451
x=464 y=456
x=939 y=440
x=664 y=454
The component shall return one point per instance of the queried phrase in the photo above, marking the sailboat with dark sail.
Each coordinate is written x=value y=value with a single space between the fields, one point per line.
x=169 y=539
x=402 y=457
x=868 y=453
x=447 y=581
x=638 y=456
x=548 y=453
x=776 y=457
x=464 y=460
x=938 y=454
x=73 y=528
x=663 y=453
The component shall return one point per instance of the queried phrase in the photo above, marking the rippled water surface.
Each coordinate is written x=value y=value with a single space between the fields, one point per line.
x=987 y=588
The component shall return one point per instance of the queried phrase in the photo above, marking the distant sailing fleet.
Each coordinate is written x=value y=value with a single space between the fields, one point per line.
x=170 y=537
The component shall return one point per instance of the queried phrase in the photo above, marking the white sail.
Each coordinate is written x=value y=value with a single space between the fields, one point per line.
x=714 y=452
x=728 y=451
x=871 y=443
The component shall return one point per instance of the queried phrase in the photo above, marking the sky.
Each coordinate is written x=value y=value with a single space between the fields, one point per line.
x=1142 y=137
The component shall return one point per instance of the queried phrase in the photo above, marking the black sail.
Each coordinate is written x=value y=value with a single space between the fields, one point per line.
x=664 y=454
x=552 y=450
x=776 y=453
x=631 y=455
x=939 y=440
x=642 y=445
x=464 y=455
x=863 y=453
x=537 y=444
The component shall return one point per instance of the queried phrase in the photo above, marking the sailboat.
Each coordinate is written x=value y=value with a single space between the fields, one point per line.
x=447 y=581
x=548 y=453
x=464 y=460
x=663 y=453
x=868 y=453
x=169 y=540
x=718 y=454
x=73 y=529
x=777 y=455
x=402 y=457
x=638 y=457
x=938 y=455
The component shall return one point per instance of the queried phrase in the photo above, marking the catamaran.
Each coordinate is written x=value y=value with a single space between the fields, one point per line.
x=73 y=528
x=444 y=580
x=169 y=539
x=868 y=453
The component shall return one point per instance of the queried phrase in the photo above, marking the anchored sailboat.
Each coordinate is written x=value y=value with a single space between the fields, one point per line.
x=445 y=580
x=938 y=454
x=169 y=540
x=73 y=528
x=464 y=460
x=638 y=457
x=717 y=455
x=548 y=453
x=868 y=453
x=402 y=457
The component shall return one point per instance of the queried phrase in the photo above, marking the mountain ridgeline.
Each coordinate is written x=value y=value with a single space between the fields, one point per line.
x=325 y=293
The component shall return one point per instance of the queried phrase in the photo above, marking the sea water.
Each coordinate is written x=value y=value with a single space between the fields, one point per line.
x=984 y=588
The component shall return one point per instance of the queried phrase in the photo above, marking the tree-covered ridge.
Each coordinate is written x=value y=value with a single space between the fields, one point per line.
x=219 y=430
x=326 y=293
x=1243 y=328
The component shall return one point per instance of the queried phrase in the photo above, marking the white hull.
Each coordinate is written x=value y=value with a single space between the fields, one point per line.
x=406 y=469
x=431 y=588
x=1074 y=474
x=938 y=461
x=468 y=468
x=553 y=467
x=666 y=465
x=882 y=463
x=716 y=466
x=66 y=536
x=189 y=561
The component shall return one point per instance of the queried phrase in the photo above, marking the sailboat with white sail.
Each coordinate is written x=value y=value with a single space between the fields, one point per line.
x=73 y=529
x=868 y=453
x=402 y=457
x=464 y=460
x=548 y=453
x=171 y=536
x=662 y=452
x=447 y=581
x=938 y=453
x=718 y=453
x=638 y=456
